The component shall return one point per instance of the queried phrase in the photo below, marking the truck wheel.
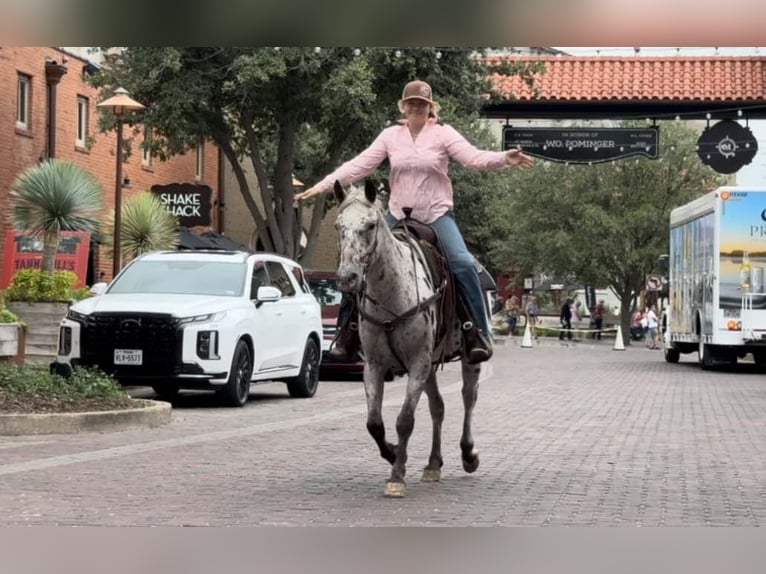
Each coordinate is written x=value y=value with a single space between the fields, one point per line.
x=305 y=384
x=237 y=389
x=672 y=354
x=705 y=355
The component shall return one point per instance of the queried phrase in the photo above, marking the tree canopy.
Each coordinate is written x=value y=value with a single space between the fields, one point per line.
x=284 y=112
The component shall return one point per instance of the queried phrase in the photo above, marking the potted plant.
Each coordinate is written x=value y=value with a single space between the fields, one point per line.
x=12 y=331
x=48 y=198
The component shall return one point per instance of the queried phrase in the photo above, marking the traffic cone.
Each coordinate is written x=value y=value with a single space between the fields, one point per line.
x=618 y=344
x=526 y=342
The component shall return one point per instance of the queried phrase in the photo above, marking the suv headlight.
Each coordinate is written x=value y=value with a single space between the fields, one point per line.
x=208 y=318
x=75 y=316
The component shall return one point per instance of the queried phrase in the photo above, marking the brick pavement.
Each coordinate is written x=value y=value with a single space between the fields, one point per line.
x=568 y=435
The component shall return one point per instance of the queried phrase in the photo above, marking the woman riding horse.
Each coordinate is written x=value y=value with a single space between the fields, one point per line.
x=419 y=150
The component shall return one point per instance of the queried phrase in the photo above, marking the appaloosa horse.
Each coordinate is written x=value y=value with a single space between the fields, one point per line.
x=399 y=313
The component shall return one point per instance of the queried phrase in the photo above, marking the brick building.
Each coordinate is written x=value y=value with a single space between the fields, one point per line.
x=51 y=111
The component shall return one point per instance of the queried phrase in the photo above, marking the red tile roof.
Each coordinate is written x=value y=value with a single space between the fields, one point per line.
x=640 y=78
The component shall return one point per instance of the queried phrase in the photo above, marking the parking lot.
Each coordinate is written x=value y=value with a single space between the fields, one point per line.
x=577 y=434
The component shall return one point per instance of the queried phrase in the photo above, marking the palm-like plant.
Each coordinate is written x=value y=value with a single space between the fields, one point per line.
x=54 y=196
x=146 y=225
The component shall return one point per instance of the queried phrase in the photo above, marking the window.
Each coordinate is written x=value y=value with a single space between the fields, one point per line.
x=200 y=160
x=298 y=274
x=23 y=99
x=82 y=121
x=280 y=278
x=146 y=152
x=259 y=278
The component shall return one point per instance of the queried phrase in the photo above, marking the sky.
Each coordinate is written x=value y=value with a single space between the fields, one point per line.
x=751 y=175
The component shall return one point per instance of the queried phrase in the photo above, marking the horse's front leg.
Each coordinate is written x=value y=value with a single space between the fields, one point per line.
x=470 y=394
x=405 y=422
x=433 y=472
x=373 y=388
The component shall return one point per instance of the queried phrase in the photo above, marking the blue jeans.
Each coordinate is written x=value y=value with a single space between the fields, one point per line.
x=461 y=263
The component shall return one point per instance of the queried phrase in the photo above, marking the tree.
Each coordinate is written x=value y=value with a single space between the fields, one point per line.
x=287 y=111
x=146 y=226
x=605 y=224
x=54 y=196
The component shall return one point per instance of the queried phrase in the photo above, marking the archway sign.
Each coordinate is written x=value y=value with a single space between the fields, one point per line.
x=584 y=145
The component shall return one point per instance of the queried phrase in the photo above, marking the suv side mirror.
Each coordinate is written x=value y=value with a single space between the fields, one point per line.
x=98 y=288
x=266 y=294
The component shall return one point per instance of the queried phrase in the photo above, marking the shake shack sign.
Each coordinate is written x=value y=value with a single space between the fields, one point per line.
x=584 y=145
x=191 y=203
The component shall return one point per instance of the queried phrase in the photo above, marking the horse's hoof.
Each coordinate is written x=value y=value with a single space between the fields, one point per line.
x=431 y=475
x=471 y=462
x=395 y=489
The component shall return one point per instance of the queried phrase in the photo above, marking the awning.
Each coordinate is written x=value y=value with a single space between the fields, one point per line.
x=189 y=240
x=220 y=241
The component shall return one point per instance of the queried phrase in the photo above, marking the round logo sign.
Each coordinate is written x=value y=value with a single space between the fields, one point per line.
x=727 y=146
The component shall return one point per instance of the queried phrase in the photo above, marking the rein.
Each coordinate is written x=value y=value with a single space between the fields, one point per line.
x=389 y=324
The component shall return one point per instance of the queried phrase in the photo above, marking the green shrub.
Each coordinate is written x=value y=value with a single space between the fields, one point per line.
x=84 y=382
x=33 y=285
x=7 y=316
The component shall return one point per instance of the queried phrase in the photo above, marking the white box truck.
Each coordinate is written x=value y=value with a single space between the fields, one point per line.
x=716 y=304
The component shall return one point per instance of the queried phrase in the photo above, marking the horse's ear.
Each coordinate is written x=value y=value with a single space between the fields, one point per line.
x=369 y=191
x=340 y=195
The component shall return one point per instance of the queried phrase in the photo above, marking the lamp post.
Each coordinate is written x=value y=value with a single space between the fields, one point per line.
x=119 y=104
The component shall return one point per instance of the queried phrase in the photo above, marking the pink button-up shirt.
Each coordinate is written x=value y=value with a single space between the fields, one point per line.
x=418 y=176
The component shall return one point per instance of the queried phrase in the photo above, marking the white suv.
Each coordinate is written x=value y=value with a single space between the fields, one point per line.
x=199 y=319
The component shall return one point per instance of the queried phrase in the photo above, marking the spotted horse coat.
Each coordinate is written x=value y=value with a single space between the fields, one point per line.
x=398 y=328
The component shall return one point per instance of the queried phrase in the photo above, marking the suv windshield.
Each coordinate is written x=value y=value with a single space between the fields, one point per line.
x=225 y=278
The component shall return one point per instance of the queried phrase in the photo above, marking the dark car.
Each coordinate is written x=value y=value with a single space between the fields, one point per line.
x=324 y=286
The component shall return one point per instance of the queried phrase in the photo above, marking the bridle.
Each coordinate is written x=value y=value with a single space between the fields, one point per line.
x=366 y=259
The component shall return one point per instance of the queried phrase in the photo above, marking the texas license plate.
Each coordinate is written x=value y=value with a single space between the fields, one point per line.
x=128 y=356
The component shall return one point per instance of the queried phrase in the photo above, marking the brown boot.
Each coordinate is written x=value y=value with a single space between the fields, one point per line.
x=347 y=343
x=478 y=346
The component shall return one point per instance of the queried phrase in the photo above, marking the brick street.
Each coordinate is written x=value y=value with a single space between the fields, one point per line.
x=568 y=435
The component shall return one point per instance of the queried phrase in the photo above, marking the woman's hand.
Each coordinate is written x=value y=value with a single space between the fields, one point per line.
x=309 y=193
x=517 y=158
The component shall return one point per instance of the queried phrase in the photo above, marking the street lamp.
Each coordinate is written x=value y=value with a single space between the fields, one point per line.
x=119 y=104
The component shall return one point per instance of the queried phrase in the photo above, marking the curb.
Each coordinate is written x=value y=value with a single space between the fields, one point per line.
x=156 y=413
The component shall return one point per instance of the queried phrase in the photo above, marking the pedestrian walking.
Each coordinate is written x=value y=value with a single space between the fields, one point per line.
x=532 y=311
x=566 y=320
x=512 y=314
x=652 y=323
x=598 y=313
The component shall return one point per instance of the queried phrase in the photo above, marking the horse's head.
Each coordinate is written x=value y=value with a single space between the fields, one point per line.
x=358 y=224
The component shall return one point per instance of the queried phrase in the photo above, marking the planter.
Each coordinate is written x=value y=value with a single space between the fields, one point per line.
x=12 y=342
x=42 y=320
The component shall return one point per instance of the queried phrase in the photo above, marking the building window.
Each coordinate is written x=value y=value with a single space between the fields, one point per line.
x=200 y=160
x=146 y=152
x=23 y=94
x=83 y=109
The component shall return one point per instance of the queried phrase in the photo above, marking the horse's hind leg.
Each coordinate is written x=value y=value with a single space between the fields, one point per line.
x=373 y=388
x=470 y=394
x=433 y=472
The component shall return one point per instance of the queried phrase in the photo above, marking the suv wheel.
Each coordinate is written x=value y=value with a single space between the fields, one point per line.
x=237 y=389
x=305 y=384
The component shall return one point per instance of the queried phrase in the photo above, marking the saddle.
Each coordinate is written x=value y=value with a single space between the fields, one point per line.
x=425 y=241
